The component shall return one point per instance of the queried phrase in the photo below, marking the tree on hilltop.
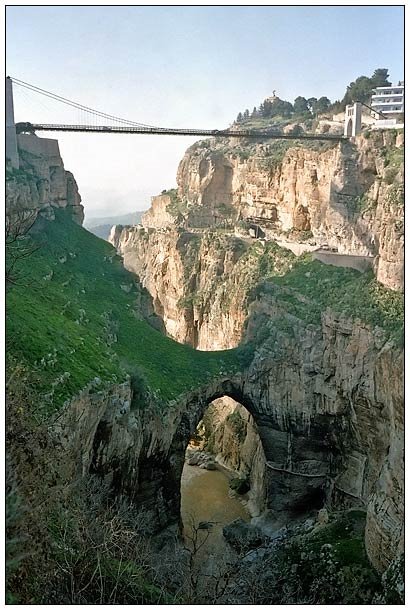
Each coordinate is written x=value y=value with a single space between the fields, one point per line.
x=311 y=103
x=300 y=105
x=322 y=104
x=379 y=78
x=282 y=108
x=239 y=118
x=361 y=89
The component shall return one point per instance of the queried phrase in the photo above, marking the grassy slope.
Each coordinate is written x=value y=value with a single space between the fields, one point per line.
x=44 y=315
x=347 y=291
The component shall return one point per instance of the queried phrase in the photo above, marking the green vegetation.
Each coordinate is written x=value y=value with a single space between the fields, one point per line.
x=188 y=246
x=276 y=151
x=361 y=89
x=344 y=531
x=177 y=206
x=311 y=287
x=21 y=176
x=393 y=162
x=238 y=425
x=273 y=260
x=191 y=300
x=329 y=565
x=275 y=154
x=74 y=318
x=240 y=485
x=396 y=196
x=275 y=109
x=357 y=205
x=393 y=156
x=83 y=549
x=305 y=288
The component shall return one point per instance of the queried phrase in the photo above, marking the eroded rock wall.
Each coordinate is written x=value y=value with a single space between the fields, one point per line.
x=199 y=283
x=348 y=196
x=328 y=403
x=232 y=436
x=42 y=184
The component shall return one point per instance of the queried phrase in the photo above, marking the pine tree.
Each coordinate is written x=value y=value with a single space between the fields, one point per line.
x=379 y=78
x=322 y=104
x=239 y=118
x=311 y=103
x=300 y=105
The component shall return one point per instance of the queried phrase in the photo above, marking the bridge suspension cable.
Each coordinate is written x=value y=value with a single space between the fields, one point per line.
x=76 y=105
x=133 y=127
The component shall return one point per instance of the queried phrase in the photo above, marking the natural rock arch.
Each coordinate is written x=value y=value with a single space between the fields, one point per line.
x=288 y=491
x=141 y=453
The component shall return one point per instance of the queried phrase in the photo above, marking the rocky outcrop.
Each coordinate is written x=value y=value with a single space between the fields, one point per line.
x=199 y=283
x=41 y=184
x=159 y=216
x=326 y=400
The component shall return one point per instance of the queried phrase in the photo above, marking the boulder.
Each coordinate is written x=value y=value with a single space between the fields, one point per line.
x=243 y=536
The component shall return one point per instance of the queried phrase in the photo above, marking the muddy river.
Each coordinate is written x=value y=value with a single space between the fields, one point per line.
x=206 y=497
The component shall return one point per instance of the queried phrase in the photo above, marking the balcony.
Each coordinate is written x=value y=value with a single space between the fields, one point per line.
x=387 y=98
x=387 y=111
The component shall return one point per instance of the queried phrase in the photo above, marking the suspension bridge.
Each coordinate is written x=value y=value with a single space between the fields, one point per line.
x=124 y=126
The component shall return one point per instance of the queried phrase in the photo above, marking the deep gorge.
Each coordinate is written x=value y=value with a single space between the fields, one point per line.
x=310 y=351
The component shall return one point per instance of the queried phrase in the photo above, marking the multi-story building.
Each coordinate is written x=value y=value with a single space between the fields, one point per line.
x=389 y=101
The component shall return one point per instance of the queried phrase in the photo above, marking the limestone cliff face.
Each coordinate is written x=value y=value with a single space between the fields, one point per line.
x=42 y=184
x=353 y=374
x=159 y=216
x=327 y=400
x=232 y=436
x=199 y=283
x=348 y=196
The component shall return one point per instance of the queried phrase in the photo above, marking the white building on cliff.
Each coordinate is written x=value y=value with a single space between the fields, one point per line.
x=390 y=102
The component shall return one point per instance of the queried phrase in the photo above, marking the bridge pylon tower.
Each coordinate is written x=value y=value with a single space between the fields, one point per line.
x=11 y=137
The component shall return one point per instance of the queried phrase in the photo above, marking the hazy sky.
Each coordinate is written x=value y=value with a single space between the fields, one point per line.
x=182 y=67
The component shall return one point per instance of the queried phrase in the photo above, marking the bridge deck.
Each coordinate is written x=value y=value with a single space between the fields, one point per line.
x=224 y=133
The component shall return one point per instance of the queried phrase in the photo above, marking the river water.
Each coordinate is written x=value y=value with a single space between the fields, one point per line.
x=205 y=496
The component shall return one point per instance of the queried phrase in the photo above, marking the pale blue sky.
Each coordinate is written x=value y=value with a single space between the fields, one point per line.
x=182 y=66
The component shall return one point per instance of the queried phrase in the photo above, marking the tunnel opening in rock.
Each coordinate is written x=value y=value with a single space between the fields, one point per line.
x=311 y=501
